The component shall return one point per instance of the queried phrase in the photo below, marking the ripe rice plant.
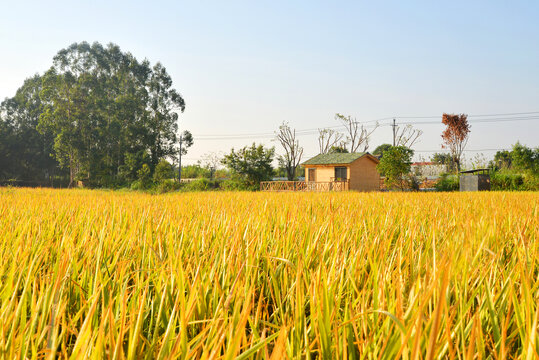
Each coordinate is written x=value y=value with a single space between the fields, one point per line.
x=268 y=275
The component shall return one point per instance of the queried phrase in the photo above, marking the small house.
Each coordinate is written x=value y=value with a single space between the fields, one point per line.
x=342 y=171
x=475 y=180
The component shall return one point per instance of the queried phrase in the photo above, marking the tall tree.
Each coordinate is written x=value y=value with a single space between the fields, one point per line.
x=293 y=152
x=357 y=135
x=502 y=159
x=26 y=154
x=525 y=159
x=106 y=109
x=395 y=165
x=380 y=149
x=455 y=136
x=164 y=104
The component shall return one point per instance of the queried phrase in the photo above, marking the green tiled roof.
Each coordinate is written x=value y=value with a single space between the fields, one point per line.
x=336 y=158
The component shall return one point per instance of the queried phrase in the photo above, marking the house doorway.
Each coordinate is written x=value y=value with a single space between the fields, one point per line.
x=312 y=175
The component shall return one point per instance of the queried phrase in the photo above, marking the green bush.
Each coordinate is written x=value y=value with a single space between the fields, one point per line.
x=531 y=183
x=201 y=185
x=447 y=183
x=506 y=182
x=167 y=186
x=238 y=185
x=163 y=171
x=144 y=180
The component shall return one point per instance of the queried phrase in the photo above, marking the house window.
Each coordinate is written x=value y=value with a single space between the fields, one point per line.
x=340 y=174
x=312 y=175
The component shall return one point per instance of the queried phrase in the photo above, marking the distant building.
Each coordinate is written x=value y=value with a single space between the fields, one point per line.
x=428 y=169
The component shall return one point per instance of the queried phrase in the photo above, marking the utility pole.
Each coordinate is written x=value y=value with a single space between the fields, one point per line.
x=394 y=131
x=180 y=161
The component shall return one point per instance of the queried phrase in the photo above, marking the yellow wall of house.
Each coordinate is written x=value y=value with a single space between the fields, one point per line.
x=362 y=174
x=324 y=173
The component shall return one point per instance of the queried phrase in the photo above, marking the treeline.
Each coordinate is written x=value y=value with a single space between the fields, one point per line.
x=98 y=116
x=510 y=170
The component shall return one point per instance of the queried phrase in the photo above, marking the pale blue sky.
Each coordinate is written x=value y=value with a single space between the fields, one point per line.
x=243 y=66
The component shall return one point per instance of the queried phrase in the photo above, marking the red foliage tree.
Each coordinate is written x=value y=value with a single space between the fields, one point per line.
x=455 y=135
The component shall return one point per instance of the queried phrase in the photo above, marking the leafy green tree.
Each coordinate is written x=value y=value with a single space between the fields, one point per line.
x=7 y=159
x=133 y=163
x=163 y=171
x=338 y=149
x=144 y=180
x=26 y=152
x=444 y=159
x=195 y=171
x=101 y=105
x=502 y=159
x=396 y=164
x=380 y=149
x=164 y=104
x=441 y=158
x=525 y=159
x=252 y=163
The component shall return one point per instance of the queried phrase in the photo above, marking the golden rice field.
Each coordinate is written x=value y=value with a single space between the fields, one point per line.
x=96 y=274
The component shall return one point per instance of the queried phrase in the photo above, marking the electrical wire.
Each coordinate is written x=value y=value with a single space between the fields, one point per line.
x=312 y=131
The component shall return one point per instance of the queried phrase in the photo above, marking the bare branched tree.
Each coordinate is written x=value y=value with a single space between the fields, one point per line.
x=211 y=161
x=407 y=136
x=357 y=135
x=328 y=138
x=293 y=152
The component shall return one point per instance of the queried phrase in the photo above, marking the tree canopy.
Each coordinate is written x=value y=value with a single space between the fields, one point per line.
x=251 y=164
x=455 y=135
x=395 y=164
x=98 y=113
x=380 y=149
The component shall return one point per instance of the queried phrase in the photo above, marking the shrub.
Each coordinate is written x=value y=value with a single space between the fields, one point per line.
x=531 y=183
x=167 y=186
x=447 y=183
x=144 y=180
x=201 y=185
x=507 y=182
x=163 y=171
x=238 y=184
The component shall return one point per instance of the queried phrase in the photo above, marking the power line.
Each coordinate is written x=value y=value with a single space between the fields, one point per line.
x=469 y=116
x=389 y=118
x=314 y=131
x=415 y=151
x=491 y=120
x=467 y=150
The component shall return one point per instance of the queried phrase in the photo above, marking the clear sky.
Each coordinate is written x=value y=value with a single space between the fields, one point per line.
x=243 y=67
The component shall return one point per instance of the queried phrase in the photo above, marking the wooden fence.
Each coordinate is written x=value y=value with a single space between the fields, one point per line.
x=304 y=186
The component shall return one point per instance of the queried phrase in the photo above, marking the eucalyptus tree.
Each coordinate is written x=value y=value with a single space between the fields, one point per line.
x=164 y=103
x=26 y=153
x=103 y=106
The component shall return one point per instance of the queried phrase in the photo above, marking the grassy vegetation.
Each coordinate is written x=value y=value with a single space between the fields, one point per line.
x=251 y=275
